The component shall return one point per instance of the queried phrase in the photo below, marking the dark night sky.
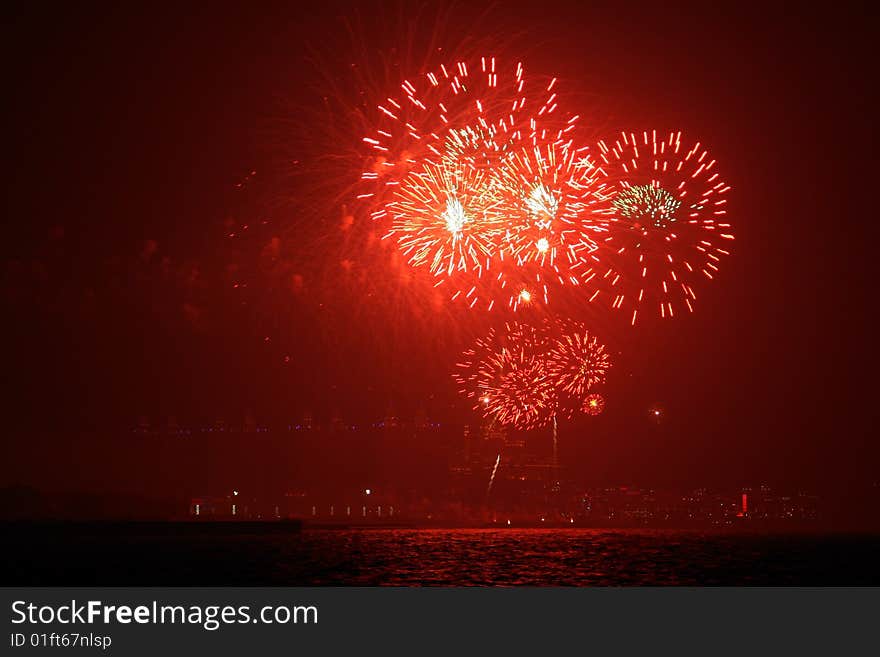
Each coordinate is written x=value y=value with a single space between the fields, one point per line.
x=128 y=128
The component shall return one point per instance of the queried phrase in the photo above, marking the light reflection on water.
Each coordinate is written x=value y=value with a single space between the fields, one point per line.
x=415 y=557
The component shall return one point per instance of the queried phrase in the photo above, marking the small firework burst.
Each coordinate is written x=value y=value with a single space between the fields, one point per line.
x=504 y=374
x=594 y=404
x=647 y=204
x=526 y=376
x=656 y=414
x=517 y=394
x=577 y=361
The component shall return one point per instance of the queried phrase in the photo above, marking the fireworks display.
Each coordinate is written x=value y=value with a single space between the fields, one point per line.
x=525 y=376
x=477 y=187
x=478 y=192
x=478 y=178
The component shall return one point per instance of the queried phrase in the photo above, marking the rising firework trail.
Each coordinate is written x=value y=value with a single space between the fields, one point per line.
x=492 y=476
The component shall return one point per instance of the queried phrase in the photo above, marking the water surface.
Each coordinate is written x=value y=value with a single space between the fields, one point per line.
x=426 y=557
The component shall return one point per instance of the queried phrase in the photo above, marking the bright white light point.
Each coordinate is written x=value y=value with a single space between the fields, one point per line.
x=367 y=491
x=525 y=296
x=235 y=492
x=454 y=215
x=543 y=245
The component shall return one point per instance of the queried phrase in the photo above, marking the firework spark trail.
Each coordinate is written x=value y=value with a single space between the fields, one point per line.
x=492 y=476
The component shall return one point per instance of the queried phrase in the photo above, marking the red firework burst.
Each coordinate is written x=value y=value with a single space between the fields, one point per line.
x=593 y=404
x=525 y=376
x=577 y=361
x=446 y=217
x=557 y=203
x=504 y=374
x=669 y=221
